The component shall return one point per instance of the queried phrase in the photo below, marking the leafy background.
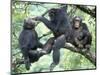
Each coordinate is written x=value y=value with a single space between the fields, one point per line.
x=68 y=60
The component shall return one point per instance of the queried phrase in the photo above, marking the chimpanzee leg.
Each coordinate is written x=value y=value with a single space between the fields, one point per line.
x=59 y=43
x=48 y=46
x=26 y=58
x=35 y=55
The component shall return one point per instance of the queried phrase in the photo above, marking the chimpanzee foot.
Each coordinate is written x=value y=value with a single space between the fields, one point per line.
x=42 y=52
x=85 y=50
x=88 y=47
x=52 y=66
x=27 y=64
x=38 y=53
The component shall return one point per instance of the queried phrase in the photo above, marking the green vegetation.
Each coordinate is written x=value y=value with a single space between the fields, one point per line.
x=69 y=60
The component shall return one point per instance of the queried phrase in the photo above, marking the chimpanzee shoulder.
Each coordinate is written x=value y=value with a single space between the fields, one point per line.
x=85 y=27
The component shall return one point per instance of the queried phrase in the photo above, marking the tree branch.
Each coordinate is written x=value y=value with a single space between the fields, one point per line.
x=87 y=10
x=88 y=54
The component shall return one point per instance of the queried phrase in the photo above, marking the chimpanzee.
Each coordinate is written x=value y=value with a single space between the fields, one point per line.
x=81 y=35
x=60 y=25
x=28 y=42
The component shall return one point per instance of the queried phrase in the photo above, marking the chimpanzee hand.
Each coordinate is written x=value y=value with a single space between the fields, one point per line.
x=80 y=46
x=38 y=18
x=88 y=46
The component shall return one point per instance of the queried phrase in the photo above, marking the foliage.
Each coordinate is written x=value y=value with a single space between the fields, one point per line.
x=69 y=60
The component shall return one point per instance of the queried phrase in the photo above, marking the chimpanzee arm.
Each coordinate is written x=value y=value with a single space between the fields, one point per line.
x=24 y=40
x=87 y=38
x=61 y=18
x=79 y=43
x=58 y=24
x=48 y=45
x=84 y=27
x=46 y=22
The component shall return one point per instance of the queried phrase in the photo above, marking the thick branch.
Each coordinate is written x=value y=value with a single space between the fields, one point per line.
x=89 y=55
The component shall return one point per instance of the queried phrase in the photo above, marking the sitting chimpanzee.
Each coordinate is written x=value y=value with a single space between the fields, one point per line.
x=28 y=42
x=60 y=25
x=81 y=35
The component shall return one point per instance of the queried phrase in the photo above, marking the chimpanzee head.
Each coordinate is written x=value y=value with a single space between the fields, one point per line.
x=53 y=13
x=29 y=23
x=77 y=21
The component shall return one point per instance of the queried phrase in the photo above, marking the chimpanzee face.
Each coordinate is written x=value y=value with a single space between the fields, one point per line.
x=76 y=24
x=29 y=23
